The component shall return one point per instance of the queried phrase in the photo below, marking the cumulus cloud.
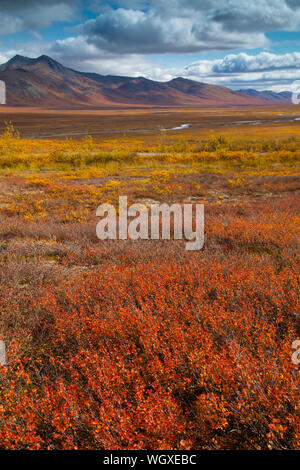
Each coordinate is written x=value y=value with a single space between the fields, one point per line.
x=157 y=26
x=186 y=26
x=264 y=61
x=240 y=63
x=262 y=15
x=148 y=32
x=265 y=70
x=22 y=15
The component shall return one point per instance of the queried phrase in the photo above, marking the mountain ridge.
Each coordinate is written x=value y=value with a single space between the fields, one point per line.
x=44 y=82
x=268 y=95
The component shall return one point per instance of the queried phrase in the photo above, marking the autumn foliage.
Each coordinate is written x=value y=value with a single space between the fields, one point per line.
x=142 y=345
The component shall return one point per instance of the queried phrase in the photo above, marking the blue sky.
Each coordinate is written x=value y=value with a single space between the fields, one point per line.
x=235 y=43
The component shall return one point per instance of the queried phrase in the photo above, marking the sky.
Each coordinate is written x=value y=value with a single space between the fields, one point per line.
x=235 y=43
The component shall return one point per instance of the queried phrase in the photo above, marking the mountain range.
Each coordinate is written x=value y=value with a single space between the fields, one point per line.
x=44 y=82
x=268 y=95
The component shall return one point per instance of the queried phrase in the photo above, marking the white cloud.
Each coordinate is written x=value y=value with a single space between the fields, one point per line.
x=262 y=71
x=148 y=32
x=264 y=61
x=186 y=26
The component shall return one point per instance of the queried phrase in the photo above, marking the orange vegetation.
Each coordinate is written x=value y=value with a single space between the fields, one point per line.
x=142 y=345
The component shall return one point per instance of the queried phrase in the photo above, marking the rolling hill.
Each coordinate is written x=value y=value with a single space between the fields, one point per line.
x=43 y=82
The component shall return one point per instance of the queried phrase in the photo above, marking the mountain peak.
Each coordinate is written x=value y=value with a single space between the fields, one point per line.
x=178 y=80
x=48 y=61
x=16 y=58
x=21 y=62
x=17 y=62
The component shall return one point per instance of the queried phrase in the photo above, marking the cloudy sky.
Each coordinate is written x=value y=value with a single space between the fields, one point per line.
x=236 y=43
